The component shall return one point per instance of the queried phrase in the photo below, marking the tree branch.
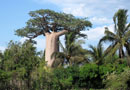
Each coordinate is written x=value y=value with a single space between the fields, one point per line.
x=37 y=34
x=61 y=32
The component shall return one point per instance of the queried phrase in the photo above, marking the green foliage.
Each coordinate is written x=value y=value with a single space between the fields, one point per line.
x=45 y=21
x=20 y=55
x=118 y=81
x=62 y=79
x=42 y=79
x=90 y=77
x=72 y=53
x=109 y=68
x=4 y=79
x=110 y=59
x=97 y=54
x=121 y=36
x=23 y=68
x=20 y=60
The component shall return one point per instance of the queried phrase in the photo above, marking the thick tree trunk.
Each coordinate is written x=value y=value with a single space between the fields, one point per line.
x=52 y=46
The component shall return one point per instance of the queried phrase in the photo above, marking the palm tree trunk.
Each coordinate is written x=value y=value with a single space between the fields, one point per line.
x=127 y=46
x=121 y=53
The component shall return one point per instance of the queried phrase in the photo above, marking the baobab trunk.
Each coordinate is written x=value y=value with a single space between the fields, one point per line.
x=52 y=46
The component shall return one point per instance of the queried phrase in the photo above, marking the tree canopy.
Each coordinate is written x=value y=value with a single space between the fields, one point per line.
x=47 y=21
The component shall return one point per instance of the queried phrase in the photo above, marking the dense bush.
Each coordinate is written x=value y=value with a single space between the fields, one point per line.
x=118 y=81
x=4 y=79
x=86 y=76
x=19 y=60
x=22 y=68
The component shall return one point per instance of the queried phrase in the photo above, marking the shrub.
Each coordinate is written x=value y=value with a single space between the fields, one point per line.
x=118 y=81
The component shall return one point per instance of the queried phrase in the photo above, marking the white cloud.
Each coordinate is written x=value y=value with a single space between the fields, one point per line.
x=101 y=20
x=95 y=34
x=94 y=7
x=98 y=11
x=77 y=11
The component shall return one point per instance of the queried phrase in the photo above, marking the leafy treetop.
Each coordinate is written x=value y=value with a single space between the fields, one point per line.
x=46 y=21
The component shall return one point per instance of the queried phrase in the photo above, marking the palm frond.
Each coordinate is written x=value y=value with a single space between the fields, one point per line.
x=79 y=42
x=114 y=49
x=110 y=34
x=115 y=22
x=127 y=27
x=93 y=51
x=108 y=50
x=100 y=50
x=107 y=39
x=121 y=19
x=92 y=48
x=77 y=59
x=127 y=35
x=62 y=47
x=58 y=55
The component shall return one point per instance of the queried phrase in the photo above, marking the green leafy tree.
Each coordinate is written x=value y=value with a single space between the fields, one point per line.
x=41 y=77
x=121 y=36
x=118 y=81
x=4 y=80
x=20 y=60
x=89 y=77
x=52 y=25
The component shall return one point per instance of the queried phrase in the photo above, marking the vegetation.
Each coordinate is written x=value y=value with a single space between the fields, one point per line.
x=121 y=37
x=52 y=25
x=74 y=68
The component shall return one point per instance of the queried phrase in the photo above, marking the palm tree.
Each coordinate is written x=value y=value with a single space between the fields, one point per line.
x=97 y=54
x=121 y=36
x=72 y=53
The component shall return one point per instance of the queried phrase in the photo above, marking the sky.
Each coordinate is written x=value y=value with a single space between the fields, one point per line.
x=14 y=15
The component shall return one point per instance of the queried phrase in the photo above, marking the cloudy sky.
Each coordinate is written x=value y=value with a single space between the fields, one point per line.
x=14 y=14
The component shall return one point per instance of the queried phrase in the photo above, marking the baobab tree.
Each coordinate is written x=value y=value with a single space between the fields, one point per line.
x=52 y=25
